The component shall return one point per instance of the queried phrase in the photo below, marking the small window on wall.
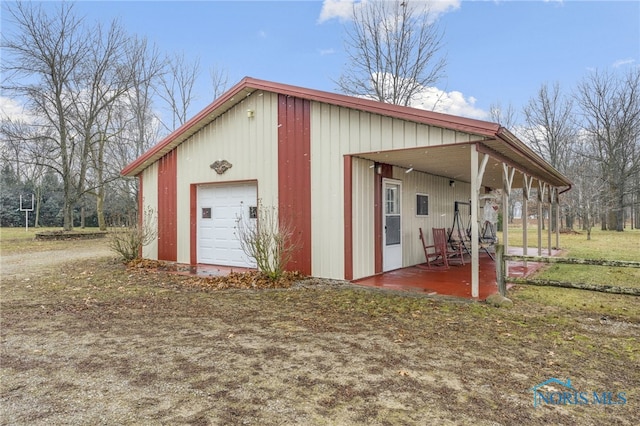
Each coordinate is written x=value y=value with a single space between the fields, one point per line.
x=422 y=205
x=253 y=212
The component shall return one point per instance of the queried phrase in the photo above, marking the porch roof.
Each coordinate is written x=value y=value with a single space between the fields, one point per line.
x=453 y=161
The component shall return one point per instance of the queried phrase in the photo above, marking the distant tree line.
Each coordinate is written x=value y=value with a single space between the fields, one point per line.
x=48 y=199
x=592 y=135
x=91 y=100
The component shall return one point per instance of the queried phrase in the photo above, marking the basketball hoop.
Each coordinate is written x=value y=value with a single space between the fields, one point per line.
x=26 y=212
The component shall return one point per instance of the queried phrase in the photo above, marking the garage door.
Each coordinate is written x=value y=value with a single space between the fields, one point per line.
x=219 y=208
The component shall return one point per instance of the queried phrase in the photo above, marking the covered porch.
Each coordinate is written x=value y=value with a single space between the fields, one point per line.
x=454 y=281
x=489 y=168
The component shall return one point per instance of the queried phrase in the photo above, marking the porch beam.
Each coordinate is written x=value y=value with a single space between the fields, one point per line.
x=507 y=181
x=507 y=177
x=476 y=182
x=480 y=173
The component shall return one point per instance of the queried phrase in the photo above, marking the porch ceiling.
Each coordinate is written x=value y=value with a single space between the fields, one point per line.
x=454 y=162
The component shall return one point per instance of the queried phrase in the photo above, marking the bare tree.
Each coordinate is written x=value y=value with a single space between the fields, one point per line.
x=19 y=148
x=394 y=51
x=134 y=126
x=178 y=82
x=506 y=116
x=610 y=106
x=550 y=128
x=44 y=58
x=588 y=184
x=106 y=78
x=219 y=80
x=74 y=79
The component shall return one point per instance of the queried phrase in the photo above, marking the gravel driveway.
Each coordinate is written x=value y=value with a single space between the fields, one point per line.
x=33 y=263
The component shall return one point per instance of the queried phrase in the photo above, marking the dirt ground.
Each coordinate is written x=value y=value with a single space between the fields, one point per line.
x=86 y=341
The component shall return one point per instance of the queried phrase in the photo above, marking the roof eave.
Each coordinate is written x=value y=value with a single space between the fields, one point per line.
x=505 y=135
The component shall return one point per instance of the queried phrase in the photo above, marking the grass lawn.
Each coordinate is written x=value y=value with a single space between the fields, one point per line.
x=608 y=245
x=20 y=240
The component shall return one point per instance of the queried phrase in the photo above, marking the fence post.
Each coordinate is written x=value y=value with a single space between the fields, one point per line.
x=500 y=270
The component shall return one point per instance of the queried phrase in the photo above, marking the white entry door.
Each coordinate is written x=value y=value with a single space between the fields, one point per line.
x=219 y=207
x=391 y=224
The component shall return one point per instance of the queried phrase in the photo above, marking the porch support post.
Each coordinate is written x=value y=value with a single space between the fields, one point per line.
x=557 y=219
x=551 y=203
x=542 y=189
x=476 y=181
x=526 y=193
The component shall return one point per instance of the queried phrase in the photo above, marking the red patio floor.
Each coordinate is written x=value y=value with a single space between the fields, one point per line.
x=455 y=281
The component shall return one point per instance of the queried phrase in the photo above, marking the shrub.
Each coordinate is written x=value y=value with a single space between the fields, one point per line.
x=128 y=242
x=270 y=243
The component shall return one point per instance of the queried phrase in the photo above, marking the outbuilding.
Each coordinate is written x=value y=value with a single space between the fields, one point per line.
x=356 y=179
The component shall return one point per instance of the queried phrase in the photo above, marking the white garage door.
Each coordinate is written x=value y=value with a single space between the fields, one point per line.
x=219 y=208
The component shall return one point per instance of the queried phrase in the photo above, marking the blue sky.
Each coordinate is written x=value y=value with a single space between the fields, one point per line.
x=498 y=51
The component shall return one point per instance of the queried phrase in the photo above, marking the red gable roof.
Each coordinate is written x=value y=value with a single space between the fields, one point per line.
x=248 y=85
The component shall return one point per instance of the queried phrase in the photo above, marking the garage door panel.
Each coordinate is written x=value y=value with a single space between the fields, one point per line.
x=217 y=238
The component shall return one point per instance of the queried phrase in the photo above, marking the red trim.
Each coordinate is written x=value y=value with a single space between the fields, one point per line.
x=193 y=224
x=387 y=172
x=348 y=218
x=294 y=176
x=167 y=207
x=140 y=208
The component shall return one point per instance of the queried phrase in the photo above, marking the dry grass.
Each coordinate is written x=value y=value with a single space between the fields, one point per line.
x=154 y=348
x=92 y=342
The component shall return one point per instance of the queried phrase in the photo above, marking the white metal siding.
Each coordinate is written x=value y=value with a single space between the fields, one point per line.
x=441 y=209
x=248 y=143
x=251 y=145
x=150 y=202
x=338 y=131
x=363 y=185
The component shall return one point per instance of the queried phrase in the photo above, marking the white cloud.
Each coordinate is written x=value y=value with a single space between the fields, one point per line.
x=13 y=110
x=342 y=9
x=440 y=7
x=454 y=102
x=324 y=52
x=622 y=62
